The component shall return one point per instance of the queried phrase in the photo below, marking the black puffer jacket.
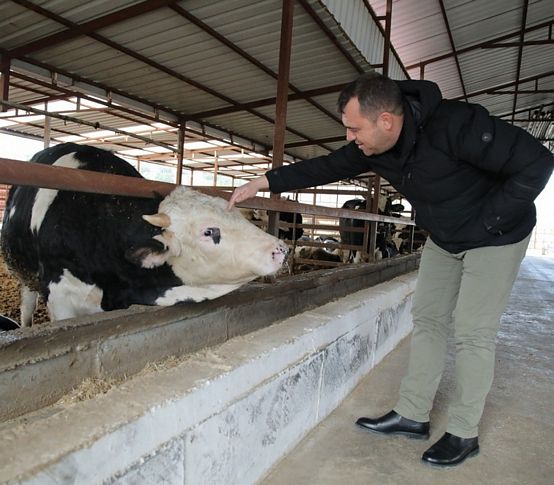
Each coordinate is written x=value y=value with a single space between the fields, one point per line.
x=472 y=178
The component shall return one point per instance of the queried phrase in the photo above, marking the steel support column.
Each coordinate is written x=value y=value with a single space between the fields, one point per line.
x=377 y=178
x=5 y=82
x=282 y=99
x=180 y=153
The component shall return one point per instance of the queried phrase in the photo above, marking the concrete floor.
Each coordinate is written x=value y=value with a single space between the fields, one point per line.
x=517 y=428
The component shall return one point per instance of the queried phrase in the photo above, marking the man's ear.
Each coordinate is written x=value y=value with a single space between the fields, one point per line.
x=386 y=120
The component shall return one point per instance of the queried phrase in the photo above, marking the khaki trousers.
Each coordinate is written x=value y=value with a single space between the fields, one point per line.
x=469 y=290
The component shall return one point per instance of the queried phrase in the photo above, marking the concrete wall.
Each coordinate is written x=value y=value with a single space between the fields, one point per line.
x=223 y=416
x=38 y=365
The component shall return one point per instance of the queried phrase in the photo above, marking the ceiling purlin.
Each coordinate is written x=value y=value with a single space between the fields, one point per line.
x=481 y=45
x=331 y=139
x=517 y=44
x=79 y=94
x=523 y=91
x=44 y=96
x=310 y=11
x=528 y=109
x=377 y=21
x=453 y=46
x=505 y=85
x=162 y=68
x=519 y=55
x=269 y=101
x=118 y=107
x=206 y=28
x=86 y=28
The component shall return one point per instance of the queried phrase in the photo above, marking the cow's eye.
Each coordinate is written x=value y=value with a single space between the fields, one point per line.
x=214 y=233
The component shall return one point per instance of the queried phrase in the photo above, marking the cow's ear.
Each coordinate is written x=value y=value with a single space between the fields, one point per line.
x=159 y=220
x=150 y=254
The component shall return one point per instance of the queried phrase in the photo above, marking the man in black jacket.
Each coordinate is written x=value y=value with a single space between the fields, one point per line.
x=472 y=179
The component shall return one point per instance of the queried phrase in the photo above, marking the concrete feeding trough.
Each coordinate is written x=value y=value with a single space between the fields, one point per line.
x=334 y=326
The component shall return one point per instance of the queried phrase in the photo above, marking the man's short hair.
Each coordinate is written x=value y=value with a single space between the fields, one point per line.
x=376 y=93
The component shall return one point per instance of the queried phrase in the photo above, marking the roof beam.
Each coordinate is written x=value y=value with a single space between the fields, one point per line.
x=518 y=44
x=209 y=30
x=119 y=107
x=520 y=55
x=522 y=91
x=505 y=85
x=529 y=109
x=159 y=67
x=480 y=45
x=162 y=68
x=377 y=22
x=270 y=101
x=86 y=28
x=453 y=46
x=331 y=139
x=4 y=82
x=311 y=12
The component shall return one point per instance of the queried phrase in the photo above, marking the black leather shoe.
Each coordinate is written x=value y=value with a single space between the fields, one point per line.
x=451 y=450
x=393 y=423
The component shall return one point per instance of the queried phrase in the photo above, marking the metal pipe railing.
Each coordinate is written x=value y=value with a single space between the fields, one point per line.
x=15 y=172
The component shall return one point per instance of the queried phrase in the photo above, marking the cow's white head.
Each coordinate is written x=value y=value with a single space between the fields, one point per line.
x=205 y=244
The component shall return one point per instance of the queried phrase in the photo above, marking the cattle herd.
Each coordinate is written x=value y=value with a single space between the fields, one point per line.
x=86 y=253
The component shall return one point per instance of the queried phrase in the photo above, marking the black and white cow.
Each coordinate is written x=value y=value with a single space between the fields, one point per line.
x=87 y=253
x=384 y=244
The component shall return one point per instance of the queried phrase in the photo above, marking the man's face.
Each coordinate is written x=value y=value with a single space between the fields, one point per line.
x=372 y=137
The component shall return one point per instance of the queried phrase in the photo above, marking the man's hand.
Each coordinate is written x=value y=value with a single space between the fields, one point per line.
x=247 y=191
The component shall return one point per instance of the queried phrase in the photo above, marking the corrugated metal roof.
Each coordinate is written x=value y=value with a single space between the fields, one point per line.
x=215 y=63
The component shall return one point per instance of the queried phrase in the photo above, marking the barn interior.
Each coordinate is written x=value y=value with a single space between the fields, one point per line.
x=212 y=94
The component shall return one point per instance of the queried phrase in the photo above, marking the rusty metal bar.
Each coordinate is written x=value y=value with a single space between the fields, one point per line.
x=162 y=68
x=14 y=172
x=523 y=91
x=283 y=83
x=453 y=47
x=520 y=56
x=285 y=49
x=506 y=85
x=95 y=84
x=5 y=82
x=47 y=131
x=388 y=29
x=180 y=154
x=377 y=22
x=84 y=28
x=88 y=123
x=481 y=45
x=331 y=139
x=224 y=40
x=309 y=93
x=518 y=44
x=310 y=11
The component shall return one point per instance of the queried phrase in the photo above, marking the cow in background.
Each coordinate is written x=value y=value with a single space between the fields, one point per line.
x=384 y=244
x=87 y=253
